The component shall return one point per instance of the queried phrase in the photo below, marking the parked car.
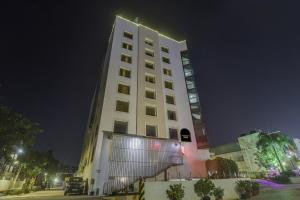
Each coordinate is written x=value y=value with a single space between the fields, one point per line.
x=74 y=185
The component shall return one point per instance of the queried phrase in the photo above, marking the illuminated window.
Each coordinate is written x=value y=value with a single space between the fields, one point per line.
x=165 y=49
x=122 y=106
x=169 y=85
x=173 y=133
x=125 y=58
x=171 y=115
x=128 y=35
x=150 y=94
x=166 y=60
x=149 y=65
x=127 y=46
x=151 y=130
x=190 y=84
x=149 y=42
x=120 y=127
x=124 y=89
x=170 y=99
x=167 y=72
x=193 y=97
x=125 y=73
x=149 y=52
x=150 y=78
x=151 y=110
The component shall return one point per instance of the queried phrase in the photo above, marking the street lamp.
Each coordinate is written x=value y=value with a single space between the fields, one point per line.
x=20 y=151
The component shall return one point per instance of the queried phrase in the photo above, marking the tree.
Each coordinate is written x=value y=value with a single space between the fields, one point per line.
x=176 y=192
x=272 y=149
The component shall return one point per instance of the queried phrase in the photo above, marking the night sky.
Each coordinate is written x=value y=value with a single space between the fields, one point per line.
x=246 y=56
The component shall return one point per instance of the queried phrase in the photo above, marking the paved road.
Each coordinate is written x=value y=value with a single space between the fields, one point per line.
x=49 y=195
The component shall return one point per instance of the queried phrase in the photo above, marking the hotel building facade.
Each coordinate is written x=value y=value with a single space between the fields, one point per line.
x=145 y=119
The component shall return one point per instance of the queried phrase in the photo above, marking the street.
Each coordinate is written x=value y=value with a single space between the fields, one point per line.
x=49 y=195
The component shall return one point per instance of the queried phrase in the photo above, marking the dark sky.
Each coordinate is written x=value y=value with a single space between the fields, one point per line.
x=246 y=55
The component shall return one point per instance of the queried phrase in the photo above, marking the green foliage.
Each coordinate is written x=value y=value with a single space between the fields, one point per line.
x=218 y=193
x=288 y=173
x=272 y=149
x=255 y=188
x=282 y=178
x=244 y=187
x=176 y=192
x=204 y=187
x=226 y=168
x=15 y=131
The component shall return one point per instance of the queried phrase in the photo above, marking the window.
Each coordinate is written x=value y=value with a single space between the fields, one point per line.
x=165 y=49
x=173 y=133
x=149 y=65
x=149 y=42
x=151 y=130
x=127 y=46
x=150 y=110
x=122 y=106
x=188 y=72
x=124 y=89
x=166 y=60
x=149 y=52
x=193 y=97
x=167 y=72
x=125 y=73
x=170 y=99
x=150 y=94
x=126 y=59
x=150 y=79
x=190 y=84
x=120 y=127
x=128 y=35
x=169 y=85
x=172 y=115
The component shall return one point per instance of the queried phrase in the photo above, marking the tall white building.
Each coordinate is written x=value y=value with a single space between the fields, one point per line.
x=145 y=119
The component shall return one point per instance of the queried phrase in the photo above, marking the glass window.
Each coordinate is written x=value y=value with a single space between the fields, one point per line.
x=126 y=59
x=173 y=133
x=172 y=115
x=170 y=99
x=193 y=97
x=120 y=127
x=167 y=72
x=166 y=60
x=124 y=89
x=125 y=73
x=150 y=94
x=169 y=85
x=150 y=110
x=165 y=49
x=149 y=65
x=128 y=35
x=185 y=61
x=151 y=130
x=149 y=42
x=188 y=72
x=150 y=79
x=127 y=46
x=190 y=84
x=149 y=52
x=122 y=106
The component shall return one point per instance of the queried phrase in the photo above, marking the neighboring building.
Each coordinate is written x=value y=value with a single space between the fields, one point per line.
x=243 y=152
x=145 y=118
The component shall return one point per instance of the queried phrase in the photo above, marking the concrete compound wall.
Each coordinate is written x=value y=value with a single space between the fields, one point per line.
x=157 y=190
x=7 y=184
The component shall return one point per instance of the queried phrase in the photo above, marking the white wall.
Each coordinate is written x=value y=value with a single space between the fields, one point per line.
x=6 y=185
x=157 y=190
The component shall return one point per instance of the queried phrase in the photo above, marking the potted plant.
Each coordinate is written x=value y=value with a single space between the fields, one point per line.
x=176 y=192
x=244 y=188
x=203 y=188
x=255 y=188
x=218 y=193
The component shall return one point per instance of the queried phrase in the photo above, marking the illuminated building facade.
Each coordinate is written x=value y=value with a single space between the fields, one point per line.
x=145 y=119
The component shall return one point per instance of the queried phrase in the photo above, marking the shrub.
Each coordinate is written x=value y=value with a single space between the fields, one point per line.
x=255 y=188
x=176 y=192
x=244 y=188
x=288 y=173
x=284 y=179
x=218 y=193
x=204 y=187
